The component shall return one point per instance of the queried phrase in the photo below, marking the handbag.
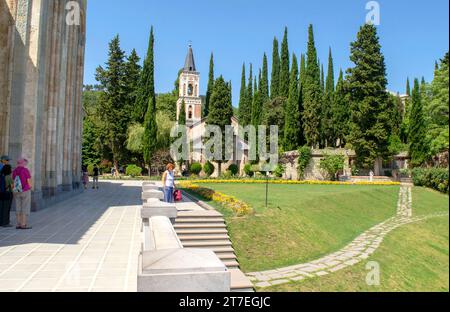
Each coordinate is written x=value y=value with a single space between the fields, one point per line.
x=177 y=195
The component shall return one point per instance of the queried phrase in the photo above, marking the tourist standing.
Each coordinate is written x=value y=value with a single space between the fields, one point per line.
x=6 y=195
x=85 y=177
x=95 y=178
x=4 y=160
x=168 y=180
x=22 y=193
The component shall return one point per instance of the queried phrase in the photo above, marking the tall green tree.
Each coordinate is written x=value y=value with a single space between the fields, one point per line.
x=132 y=75
x=182 y=114
x=275 y=80
x=220 y=110
x=302 y=69
x=258 y=105
x=284 y=69
x=312 y=94
x=341 y=112
x=111 y=102
x=243 y=112
x=367 y=84
x=210 y=87
x=146 y=83
x=328 y=134
x=417 y=129
x=265 y=81
x=292 y=114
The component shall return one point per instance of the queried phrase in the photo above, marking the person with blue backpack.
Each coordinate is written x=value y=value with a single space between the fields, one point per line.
x=22 y=194
x=6 y=196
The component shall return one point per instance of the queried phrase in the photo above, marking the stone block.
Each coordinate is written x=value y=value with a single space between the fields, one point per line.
x=159 y=234
x=148 y=183
x=157 y=208
x=146 y=188
x=182 y=270
x=152 y=194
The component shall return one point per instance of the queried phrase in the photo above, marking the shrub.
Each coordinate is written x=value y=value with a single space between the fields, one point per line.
x=209 y=169
x=133 y=171
x=234 y=169
x=304 y=158
x=90 y=169
x=435 y=178
x=227 y=175
x=279 y=171
x=196 y=168
x=332 y=165
x=248 y=170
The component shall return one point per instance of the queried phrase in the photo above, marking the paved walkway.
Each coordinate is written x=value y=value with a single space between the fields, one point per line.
x=87 y=243
x=359 y=250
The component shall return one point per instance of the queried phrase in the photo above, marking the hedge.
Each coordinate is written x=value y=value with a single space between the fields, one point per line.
x=435 y=178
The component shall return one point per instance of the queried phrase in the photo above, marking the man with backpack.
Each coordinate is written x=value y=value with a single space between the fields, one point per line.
x=22 y=193
x=6 y=195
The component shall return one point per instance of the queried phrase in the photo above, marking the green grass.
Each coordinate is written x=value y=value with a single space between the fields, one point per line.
x=413 y=258
x=303 y=222
x=427 y=201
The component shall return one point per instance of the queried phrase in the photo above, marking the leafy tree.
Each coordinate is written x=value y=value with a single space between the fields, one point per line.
x=284 y=69
x=114 y=113
x=220 y=110
x=210 y=87
x=146 y=91
x=132 y=74
x=332 y=165
x=312 y=94
x=292 y=114
x=275 y=81
x=367 y=84
x=417 y=129
x=167 y=103
x=264 y=87
x=135 y=138
x=304 y=158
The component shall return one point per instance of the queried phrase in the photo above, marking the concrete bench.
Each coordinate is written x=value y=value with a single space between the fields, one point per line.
x=154 y=208
x=145 y=183
x=152 y=194
x=182 y=270
x=159 y=234
x=146 y=188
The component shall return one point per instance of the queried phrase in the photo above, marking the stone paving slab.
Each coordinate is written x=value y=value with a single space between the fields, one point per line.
x=89 y=242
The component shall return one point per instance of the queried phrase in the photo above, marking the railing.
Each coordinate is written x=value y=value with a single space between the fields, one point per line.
x=164 y=265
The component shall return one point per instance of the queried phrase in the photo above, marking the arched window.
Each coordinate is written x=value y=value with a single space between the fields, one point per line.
x=190 y=90
x=190 y=112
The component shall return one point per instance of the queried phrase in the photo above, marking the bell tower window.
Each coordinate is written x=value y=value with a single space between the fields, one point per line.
x=190 y=90
x=190 y=112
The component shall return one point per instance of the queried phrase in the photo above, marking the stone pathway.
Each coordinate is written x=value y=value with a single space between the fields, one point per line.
x=359 y=250
x=90 y=242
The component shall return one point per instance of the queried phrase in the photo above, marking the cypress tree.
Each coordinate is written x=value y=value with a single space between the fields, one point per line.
x=265 y=81
x=367 y=84
x=340 y=112
x=408 y=88
x=417 y=129
x=210 y=86
x=243 y=107
x=256 y=105
x=302 y=69
x=312 y=94
x=275 y=81
x=292 y=114
x=330 y=75
x=284 y=71
x=329 y=136
x=132 y=76
x=220 y=110
x=250 y=92
x=322 y=78
x=182 y=114
x=147 y=82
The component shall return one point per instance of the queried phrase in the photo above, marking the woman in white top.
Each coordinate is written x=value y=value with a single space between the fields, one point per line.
x=168 y=180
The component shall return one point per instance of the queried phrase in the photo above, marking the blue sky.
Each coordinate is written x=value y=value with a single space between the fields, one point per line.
x=413 y=34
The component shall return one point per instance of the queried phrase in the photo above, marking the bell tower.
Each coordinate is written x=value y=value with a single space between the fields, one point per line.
x=190 y=91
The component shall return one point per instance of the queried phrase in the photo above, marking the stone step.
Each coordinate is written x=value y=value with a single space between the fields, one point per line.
x=207 y=244
x=200 y=231
x=220 y=250
x=240 y=282
x=189 y=237
x=196 y=226
x=231 y=264
x=200 y=214
x=199 y=220
x=226 y=256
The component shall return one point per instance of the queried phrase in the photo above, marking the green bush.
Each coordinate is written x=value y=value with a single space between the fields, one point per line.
x=248 y=170
x=435 y=178
x=234 y=169
x=304 y=158
x=90 y=169
x=279 y=171
x=209 y=169
x=133 y=171
x=196 y=168
x=227 y=175
x=332 y=165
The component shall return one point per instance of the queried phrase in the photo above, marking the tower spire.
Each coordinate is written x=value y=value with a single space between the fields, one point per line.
x=189 y=64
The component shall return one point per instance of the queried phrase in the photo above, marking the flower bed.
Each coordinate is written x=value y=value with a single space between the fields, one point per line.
x=308 y=182
x=238 y=207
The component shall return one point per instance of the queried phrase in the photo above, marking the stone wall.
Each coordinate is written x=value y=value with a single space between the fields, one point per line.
x=40 y=92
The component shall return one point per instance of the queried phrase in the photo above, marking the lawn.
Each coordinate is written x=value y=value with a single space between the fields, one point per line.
x=412 y=258
x=303 y=222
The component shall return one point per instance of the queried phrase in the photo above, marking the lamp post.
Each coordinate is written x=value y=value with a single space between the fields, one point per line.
x=267 y=189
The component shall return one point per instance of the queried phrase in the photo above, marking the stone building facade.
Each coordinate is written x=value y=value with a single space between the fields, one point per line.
x=42 y=45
